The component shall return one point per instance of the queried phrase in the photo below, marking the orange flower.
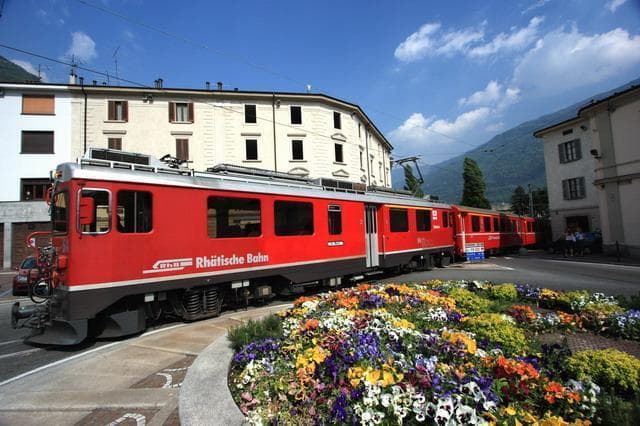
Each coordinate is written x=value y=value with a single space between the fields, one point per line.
x=311 y=324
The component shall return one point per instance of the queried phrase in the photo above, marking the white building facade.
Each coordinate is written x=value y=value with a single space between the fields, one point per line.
x=573 y=201
x=308 y=135
x=36 y=135
x=616 y=154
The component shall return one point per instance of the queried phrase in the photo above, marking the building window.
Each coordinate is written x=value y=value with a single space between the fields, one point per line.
x=487 y=224
x=134 y=212
x=475 y=223
x=335 y=220
x=570 y=151
x=182 y=149
x=423 y=220
x=573 y=189
x=33 y=189
x=296 y=115
x=297 y=152
x=38 y=104
x=115 y=143
x=399 y=220
x=181 y=112
x=359 y=129
x=233 y=217
x=361 y=160
x=250 y=114
x=251 y=149
x=339 y=157
x=293 y=218
x=337 y=121
x=37 y=142
x=118 y=111
x=380 y=170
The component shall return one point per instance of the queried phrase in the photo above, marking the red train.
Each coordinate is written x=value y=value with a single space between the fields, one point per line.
x=133 y=238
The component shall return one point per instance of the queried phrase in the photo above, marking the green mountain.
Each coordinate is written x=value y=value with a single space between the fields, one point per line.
x=509 y=159
x=12 y=73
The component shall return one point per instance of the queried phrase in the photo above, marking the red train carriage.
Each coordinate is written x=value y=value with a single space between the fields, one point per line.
x=133 y=238
x=491 y=230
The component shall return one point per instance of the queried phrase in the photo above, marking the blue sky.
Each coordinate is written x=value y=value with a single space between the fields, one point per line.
x=436 y=77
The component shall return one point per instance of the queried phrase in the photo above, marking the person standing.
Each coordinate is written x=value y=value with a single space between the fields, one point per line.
x=569 y=243
x=579 y=241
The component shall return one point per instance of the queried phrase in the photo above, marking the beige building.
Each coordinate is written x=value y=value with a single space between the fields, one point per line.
x=304 y=134
x=573 y=200
x=615 y=124
x=592 y=164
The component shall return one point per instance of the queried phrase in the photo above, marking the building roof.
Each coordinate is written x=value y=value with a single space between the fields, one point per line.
x=557 y=126
x=210 y=93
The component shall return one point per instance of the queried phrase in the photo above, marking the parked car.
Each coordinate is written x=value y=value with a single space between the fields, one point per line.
x=27 y=273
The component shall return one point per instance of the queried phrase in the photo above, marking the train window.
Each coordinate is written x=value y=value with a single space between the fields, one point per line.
x=529 y=227
x=487 y=223
x=335 y=220
x=233 y=217
x=399 y=219
x=445 y=220
x=100 y=223
x=59 y=212
x=423 y=220
x=475 y=223
x=134 y=212
x=293 y=218
x=496 y=225
x=503 y=224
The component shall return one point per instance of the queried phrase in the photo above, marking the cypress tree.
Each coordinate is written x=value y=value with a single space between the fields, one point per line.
x=520 y=201
x=411 y=183
x=473 y=191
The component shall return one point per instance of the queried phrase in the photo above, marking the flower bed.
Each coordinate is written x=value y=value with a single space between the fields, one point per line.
x=401 y=353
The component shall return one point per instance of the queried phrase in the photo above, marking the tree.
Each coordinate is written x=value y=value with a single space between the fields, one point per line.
x=411 y=183
x=520 y=201
x=473 y=191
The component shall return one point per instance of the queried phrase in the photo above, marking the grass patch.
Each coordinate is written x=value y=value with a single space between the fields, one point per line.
x=268 y=327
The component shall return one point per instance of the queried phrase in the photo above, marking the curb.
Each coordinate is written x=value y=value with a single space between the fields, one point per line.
x=205 y=398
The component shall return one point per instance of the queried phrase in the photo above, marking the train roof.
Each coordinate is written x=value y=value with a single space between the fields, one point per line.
x=138 y=168
x=484 y=211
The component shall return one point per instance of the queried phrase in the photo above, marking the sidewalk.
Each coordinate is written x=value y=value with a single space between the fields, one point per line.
x=167 y=377
x=589 y=258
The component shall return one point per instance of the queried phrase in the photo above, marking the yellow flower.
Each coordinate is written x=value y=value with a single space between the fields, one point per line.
x=373 y=376
x=456 y=337
x=403 y=323
x=354 y=374
x=510 y=410
x=318 y=354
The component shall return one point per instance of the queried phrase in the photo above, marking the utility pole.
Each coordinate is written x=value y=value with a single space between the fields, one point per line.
x=530 y=200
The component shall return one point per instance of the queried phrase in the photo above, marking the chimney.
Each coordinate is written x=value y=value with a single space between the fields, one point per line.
x=72 y=77
x=207 y=85
x=219 y=85
x=159 y=83
x=81 y=81
x=95 y=82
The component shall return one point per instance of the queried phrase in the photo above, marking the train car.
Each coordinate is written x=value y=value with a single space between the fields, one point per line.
x=133 y=238
x=490 y=231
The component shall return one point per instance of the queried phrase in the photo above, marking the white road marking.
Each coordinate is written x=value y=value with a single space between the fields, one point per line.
x=8 y=342
x=139 y=418
x=602 y=265
x=6 y=292
x=21 y=353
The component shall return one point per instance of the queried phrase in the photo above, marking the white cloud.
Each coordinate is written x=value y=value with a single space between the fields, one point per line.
x=517 y=39
x=613 y=5
x=82 y=47
x=429 y=40
x=28 y=66
x=418 y=132
x=534 y=6
x=492 y=95
x=418 y=44
x=565 y=60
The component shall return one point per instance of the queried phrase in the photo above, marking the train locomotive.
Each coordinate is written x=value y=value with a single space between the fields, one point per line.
x=133 y=238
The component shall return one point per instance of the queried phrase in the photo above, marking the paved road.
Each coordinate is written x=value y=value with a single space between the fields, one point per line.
x=542 y=271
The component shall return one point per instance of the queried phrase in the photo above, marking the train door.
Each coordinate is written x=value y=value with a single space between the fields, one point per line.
x=371 y=234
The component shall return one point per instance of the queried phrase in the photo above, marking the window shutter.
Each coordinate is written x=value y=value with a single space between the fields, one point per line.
x=111 y=107
x=191 y=117
x=577 y=148
x=561 y=153
x=172 y=112
x=125 y=110
x=565 y=189
x=581 y=193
